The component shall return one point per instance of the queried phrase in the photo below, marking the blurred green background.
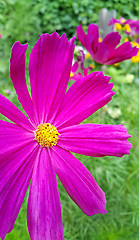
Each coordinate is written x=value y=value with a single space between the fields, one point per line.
x=24 y=21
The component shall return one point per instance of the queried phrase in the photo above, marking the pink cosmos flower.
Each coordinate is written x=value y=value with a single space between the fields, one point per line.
x=105 y=52
x=37 y=148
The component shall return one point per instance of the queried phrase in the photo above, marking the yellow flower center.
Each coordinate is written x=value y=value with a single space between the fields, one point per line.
x=126 y=39
x=135 y=44
x=118 y=26
x=135 y=59
x=126 y=28
x=71 y=74
x=91 y=65
x=46 y=135
x=87 y=55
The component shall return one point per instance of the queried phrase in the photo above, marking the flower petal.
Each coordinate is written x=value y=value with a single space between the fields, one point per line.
x=17 y=74
x=44 y=211
x=95 y=140
x=49 y=69
x=13 y=137
x=123 y=52
x=101 y=53
x=15 y=174
x=9 y=110
x=75 y=67
x=83 y=98
x=113 y=21
x=106 y=47
x=112 y=40
x=89 y=40
x=78 y=182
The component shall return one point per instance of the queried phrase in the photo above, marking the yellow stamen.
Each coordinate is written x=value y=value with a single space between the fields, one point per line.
x=46 y=135
x=91 y=65
x=71 y=74
x=87 y=55
x=135 y=59
x=126 y=39
x=135 y=44
x=100 y=39
x=118 y=26
x=126 y=28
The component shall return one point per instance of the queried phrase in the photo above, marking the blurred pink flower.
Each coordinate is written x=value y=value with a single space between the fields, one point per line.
x=105 y=52
x=130 y=26
x=76 y=74
x=37 y=148
x=78 y=69
x=120 y=21
x=134 y=26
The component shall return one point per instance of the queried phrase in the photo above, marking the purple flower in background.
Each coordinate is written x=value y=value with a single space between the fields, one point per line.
x=120 y=25
x=80 y=57
x=76 y=75
x=38 y=148
x=105 y=52
x=121 y=21
x=130 y=26
x=134 y=26
x=78 y=69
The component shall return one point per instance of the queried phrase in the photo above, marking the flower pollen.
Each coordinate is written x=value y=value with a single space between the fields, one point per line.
x=46 y=135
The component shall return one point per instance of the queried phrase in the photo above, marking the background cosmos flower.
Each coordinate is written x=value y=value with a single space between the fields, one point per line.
x=79 y=65
x=105 y=52
x=22 y=158
x=130 y=26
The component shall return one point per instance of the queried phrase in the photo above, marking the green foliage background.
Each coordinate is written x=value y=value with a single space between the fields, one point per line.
x=24 y=21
